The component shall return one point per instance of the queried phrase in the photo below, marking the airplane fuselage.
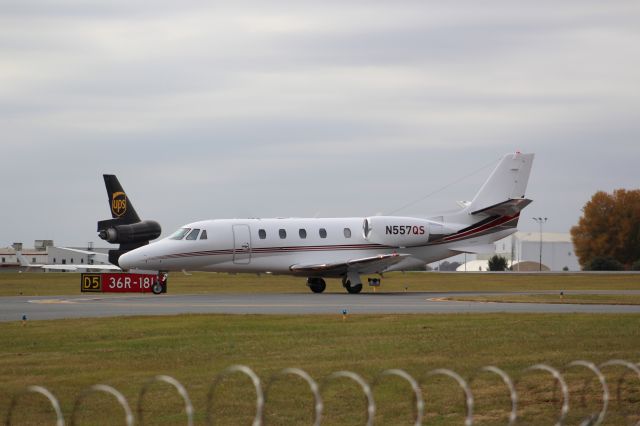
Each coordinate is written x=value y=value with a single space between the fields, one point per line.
x=275 y=245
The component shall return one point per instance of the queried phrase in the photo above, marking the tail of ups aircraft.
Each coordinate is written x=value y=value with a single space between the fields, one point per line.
x=124 y=227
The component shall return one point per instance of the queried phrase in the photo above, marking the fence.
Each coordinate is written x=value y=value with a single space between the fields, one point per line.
x=262 y=392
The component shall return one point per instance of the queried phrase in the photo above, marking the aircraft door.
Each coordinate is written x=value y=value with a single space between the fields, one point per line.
x=241 y=244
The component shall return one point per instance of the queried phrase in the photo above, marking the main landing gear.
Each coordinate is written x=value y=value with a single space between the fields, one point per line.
x=317 y=285
x=352 y=283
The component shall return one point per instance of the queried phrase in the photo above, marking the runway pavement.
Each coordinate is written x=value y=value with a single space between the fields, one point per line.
x=83 y=306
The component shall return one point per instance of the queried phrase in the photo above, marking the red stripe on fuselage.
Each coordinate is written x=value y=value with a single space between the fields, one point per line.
x=487 y=226
x=262 y=250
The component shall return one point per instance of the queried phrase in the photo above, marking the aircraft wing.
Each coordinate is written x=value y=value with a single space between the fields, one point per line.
x=55 y=267
x=87 y=252
x=60 y=267
x=94 y=267
x=365 y=265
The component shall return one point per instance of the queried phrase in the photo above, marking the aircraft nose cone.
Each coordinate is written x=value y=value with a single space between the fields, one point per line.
x=131 y=260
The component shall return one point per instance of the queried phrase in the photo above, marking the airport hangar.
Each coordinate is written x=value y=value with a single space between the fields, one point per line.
x=45 y=252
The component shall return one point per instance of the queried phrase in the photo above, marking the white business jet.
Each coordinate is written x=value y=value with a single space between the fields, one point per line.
x=344 y=247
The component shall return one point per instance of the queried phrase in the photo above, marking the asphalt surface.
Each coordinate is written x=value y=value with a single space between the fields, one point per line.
x=85 y=306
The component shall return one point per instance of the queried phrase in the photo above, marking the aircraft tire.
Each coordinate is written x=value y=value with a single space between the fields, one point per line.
x=156 y=288
x=355 y=289
x=317 y=285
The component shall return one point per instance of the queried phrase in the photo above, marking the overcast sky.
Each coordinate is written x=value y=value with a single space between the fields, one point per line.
x=262 y=108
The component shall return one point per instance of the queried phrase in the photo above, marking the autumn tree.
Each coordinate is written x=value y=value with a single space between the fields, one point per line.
x=609 y=227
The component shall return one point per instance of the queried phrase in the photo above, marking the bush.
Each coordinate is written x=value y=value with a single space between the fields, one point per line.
x=604 y=264
x=497 y=263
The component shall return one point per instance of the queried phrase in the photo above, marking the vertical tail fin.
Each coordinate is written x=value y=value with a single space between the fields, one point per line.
x=125 y=227
x=119 y=204
x=508 y=181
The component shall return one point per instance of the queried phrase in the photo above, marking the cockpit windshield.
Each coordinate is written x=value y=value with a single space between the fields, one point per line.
x=193 y=235
x=179 y=234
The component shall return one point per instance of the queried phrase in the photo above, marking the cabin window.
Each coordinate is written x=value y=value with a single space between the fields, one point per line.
x=347 y=233
x=54 y=260
x=3 y=260
x=34 y=260
x=193 y=235
x=179 y=234
x=282 y=233
x=203 y=236
x=302 y=233
x=81 y=260
x=262 y=234
x=323 y=233
x=64 y=261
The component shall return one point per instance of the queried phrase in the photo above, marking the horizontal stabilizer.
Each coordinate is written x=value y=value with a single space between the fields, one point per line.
x=506 y=208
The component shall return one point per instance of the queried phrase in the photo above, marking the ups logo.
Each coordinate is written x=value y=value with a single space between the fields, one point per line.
x=119 y=203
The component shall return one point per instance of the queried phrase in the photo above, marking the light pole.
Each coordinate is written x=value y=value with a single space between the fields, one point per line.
x=540 y=221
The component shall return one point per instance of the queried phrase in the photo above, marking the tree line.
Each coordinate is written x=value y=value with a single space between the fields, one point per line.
x=607 y=236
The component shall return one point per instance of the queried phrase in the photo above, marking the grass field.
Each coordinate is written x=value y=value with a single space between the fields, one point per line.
x=46 y=284
x=67 y=356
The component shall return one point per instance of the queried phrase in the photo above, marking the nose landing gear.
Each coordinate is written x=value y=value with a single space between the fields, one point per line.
x=160 y=286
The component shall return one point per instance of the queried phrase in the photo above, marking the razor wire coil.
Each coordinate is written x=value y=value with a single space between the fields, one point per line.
x=317 y=387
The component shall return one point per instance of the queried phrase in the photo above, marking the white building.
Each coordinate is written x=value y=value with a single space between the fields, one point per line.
x=474 y=266
x=558 y=253
x=44 y=253
x=8 y=258
x=522 y=251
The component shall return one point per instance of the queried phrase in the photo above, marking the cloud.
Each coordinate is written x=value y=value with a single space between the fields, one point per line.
x=294 y=108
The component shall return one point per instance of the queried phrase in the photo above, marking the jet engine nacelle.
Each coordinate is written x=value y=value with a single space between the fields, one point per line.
x=397 y=231
x=144 y=231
